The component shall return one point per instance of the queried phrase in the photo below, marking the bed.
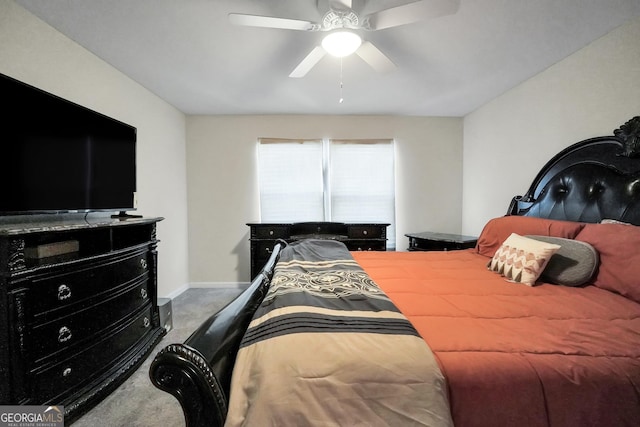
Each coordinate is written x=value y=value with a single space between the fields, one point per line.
x=538 y=325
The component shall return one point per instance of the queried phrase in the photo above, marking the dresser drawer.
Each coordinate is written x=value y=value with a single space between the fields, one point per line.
x=69 y=331
x=366 y=245
x=366 y=231
x=261 y=251
x=55 y=292
x=49 y=382
x=270 y=232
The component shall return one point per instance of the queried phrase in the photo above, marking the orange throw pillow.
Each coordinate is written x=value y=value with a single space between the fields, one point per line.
x=499 y=229
x=619 y=249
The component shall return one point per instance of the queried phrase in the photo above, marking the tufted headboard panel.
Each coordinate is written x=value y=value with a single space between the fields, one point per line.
x=595 y=179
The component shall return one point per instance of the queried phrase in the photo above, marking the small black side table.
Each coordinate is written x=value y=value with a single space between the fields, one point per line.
x=428 y=241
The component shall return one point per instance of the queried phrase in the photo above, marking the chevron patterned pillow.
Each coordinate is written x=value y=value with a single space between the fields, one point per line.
x=521 y=259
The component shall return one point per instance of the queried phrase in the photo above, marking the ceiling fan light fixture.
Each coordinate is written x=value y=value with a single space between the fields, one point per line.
x=341 y=43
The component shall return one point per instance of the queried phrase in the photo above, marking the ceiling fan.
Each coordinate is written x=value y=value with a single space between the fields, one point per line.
x=342 y=22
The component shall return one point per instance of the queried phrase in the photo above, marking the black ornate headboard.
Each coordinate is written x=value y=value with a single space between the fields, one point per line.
x=595 y=179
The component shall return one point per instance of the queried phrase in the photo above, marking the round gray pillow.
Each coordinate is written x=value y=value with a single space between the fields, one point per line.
x=575 y=263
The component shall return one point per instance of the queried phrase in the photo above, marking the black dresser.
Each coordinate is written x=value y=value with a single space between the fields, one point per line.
x=356 y=236
x=78 y=300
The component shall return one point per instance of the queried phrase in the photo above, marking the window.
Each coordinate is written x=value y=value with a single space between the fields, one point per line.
x=327 y=180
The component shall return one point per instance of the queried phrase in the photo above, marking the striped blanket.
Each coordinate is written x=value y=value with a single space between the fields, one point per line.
x=327 y=347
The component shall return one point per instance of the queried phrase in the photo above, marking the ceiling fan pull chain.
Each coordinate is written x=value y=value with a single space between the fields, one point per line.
x=341 y=98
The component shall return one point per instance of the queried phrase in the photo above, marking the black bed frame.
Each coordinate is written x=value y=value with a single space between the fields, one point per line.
x=595 y=179
x=198 y=372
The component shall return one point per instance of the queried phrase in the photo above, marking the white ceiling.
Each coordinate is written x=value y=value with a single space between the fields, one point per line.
x=188 y=53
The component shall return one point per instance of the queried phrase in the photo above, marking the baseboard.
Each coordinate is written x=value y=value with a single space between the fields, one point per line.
x=177 y=292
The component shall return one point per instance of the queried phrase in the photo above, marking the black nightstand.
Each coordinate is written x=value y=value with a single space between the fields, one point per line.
x=428 y=241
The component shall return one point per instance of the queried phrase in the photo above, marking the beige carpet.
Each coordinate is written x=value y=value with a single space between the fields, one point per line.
x=137 y=402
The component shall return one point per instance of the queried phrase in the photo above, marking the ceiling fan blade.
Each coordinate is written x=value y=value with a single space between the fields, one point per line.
x=308 y=62
x=374 y=57
x=409 y=13
x=270 y=22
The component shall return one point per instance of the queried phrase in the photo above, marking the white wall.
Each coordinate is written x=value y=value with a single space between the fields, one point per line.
x=223 y=187
x=35 y=53
x=508 y=140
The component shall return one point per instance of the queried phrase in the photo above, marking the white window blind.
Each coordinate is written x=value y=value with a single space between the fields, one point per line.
x=327 y=180
x=290 y=175
x=362 y=184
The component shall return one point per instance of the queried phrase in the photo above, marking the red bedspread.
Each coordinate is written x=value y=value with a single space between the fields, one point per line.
x=515 y=355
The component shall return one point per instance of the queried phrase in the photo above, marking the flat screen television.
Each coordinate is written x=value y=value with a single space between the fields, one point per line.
x=57 y=156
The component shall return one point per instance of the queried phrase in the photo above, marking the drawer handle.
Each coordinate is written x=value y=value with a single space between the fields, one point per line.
x=143 y=263
x=64 y=292
x=270 y=232
x=146 y=322
x=365 y=232
x=143 y=293
x=66 y=372
x=64 y=334
x=268 y=250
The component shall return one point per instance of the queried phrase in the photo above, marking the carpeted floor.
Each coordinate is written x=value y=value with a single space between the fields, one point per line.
x=137 y=402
